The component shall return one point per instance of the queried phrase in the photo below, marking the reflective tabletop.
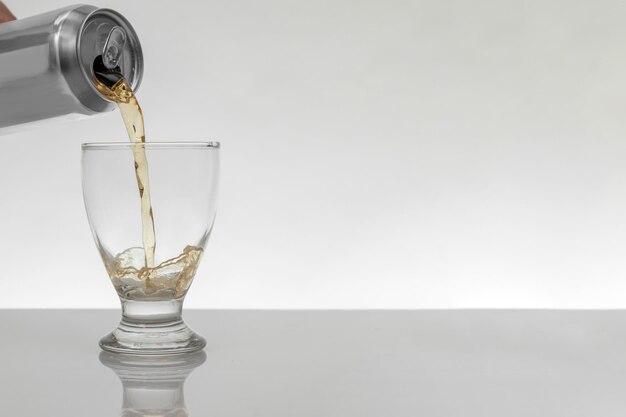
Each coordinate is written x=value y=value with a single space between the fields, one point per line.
x=323 y=363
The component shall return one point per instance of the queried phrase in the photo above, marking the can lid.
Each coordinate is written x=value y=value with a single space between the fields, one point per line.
x=96 y=39
x=92 y=32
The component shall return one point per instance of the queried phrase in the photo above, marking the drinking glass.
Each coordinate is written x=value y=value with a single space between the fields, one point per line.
x=183 y=182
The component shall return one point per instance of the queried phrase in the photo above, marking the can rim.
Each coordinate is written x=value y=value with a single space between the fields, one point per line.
x=69 y=31
x=137 y=75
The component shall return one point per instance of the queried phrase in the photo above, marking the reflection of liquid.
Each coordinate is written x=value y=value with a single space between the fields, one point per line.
x=153 y=385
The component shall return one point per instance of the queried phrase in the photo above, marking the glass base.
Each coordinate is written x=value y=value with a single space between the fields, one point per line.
x=152 y=328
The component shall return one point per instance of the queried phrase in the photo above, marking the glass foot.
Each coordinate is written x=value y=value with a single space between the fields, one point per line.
x=152 y=328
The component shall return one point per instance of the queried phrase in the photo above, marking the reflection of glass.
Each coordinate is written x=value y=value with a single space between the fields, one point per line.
x=152 y=282
x=153 y=385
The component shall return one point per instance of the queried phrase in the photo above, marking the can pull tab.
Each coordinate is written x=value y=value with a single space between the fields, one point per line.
x=113 y=47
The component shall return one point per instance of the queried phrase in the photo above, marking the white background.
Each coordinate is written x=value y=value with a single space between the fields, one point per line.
x=376 y=154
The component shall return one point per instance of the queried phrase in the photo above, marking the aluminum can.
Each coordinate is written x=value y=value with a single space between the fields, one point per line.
x=46 y=63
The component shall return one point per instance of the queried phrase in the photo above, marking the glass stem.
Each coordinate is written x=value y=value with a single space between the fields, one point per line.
x=152 y=313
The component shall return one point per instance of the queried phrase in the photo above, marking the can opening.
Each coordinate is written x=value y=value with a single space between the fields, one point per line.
x=107 y=76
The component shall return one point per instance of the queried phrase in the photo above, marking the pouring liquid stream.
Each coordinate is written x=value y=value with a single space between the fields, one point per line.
x=134 y=272
x=113 y=85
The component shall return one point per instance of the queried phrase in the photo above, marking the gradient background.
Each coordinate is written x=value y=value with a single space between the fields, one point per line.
x=397 y=154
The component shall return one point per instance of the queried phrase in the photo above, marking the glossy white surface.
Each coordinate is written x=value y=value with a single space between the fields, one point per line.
x=305 y=363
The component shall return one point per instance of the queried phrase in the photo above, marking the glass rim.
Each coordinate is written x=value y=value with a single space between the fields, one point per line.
x=149 y=145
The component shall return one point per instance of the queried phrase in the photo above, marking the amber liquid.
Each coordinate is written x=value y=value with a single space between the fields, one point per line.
x=123 y=95
x=133 y=271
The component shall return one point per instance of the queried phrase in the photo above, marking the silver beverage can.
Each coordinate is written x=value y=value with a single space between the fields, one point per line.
x=46 y=63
